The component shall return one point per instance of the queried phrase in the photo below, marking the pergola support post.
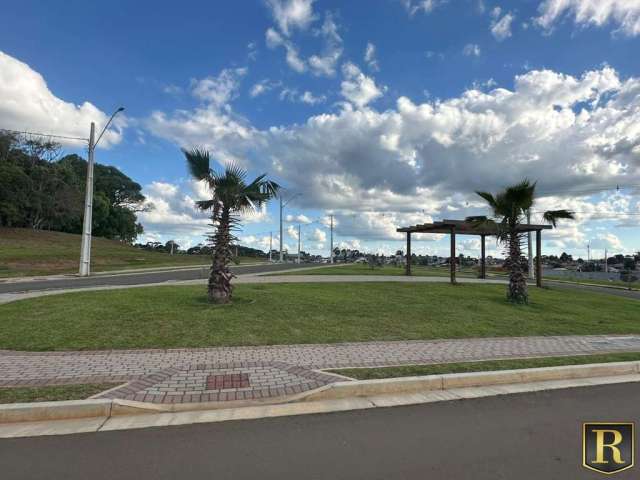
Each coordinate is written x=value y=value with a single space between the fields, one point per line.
x=483 y=259
x=408 y=264
x=452 y=261
x=539 y=258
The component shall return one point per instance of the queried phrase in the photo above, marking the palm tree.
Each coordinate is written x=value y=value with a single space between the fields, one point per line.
x=231 y=196
x=509 y=211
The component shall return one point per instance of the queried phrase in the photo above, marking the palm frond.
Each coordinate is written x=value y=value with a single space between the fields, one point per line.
x=198 y=162
x=552 y=216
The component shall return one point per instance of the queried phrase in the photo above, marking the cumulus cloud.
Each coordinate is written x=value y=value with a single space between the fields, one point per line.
x=471 y=50
x=26 y=103
x=357 y=88
x=300 y=218
x=318 y=235
x=421 y=159
x=623 y=13
x=501 y=27
x=290 y=14
x=218 y=90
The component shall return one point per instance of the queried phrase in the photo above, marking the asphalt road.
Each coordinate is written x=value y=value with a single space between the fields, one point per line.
x=136 y=278
x=527 y=436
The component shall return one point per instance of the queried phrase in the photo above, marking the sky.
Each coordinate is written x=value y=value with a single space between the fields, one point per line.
x=383 y=113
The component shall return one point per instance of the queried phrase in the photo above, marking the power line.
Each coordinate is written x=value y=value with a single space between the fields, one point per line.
x=20 y=132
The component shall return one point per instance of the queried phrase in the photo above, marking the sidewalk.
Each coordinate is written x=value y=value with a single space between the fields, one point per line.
x=240 y=373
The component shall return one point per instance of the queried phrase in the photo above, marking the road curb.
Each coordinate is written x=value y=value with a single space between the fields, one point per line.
x=16 y=419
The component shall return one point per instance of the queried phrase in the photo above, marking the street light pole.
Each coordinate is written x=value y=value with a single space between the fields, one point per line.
x=281 y=208
x=85 y=248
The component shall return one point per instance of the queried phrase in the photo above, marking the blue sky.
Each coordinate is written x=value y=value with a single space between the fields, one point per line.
x=384 y=113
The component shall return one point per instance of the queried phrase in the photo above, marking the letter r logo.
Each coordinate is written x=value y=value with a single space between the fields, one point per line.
x=608 y=447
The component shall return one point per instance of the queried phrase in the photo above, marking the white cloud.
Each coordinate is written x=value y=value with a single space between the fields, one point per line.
x=501 y=28
x=292 y=231
x=290 y=14
x=624 y=13
x=425 y=6
x=318 y=235
x=370 y=57
x=221 y=89
x=357 y=87
x=274 y=40
x=325 y=64
x=26 y=103
x=293 y=95
x=471 y=50
x=310 y=99
x=300 y=218
x=419 y=159
x=261 y=87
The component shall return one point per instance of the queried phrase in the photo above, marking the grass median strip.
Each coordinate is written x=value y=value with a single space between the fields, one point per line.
x=52 y=393
x=272 y=314
x=486 y=366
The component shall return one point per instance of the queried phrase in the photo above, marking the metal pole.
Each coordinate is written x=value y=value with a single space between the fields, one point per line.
x=539 y=258
x=408 y=265
x=452 y=261
x=281 y=207
x=298 y=244
x=530 y=243
x=85 y=249
x=606 y=264
x=331 y=255
x=270 y=245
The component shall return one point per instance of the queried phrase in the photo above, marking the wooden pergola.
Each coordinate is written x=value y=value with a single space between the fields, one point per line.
x=462 y=227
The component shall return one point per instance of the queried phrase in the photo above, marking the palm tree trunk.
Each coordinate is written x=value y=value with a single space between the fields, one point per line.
x=517 y=292
x=220 y=289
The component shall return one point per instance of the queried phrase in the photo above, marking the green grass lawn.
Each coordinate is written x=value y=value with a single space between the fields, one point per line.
x=364 y=269
x=25 y=252
x=465 y=367
x=179 y=316
x=52 y=394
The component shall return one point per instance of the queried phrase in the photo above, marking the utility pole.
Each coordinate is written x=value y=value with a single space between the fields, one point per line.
x=270 y=245
x=299 y=244
x=331 y=255
x=85 y=248
x=589 y=252
x=531 y=274
x=281 y=208
x=606 y=264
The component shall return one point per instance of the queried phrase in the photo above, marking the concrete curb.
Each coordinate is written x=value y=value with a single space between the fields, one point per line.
x=355 y=391
x=474 y=379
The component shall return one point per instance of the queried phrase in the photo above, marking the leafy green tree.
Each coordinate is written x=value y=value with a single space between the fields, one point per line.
x=231 y=195
x=509 y=208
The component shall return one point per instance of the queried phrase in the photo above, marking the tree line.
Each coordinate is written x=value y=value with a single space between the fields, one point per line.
x=43 y=189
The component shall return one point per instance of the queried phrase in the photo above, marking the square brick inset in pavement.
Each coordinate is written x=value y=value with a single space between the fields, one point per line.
x=226 y=381
x=221 y=383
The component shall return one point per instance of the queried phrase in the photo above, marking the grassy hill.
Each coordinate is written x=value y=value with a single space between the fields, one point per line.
x=25 y=252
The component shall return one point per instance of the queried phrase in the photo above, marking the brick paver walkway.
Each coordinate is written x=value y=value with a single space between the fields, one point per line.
x=235 y=373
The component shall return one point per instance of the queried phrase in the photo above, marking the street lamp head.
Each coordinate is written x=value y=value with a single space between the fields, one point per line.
x=120 y=109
